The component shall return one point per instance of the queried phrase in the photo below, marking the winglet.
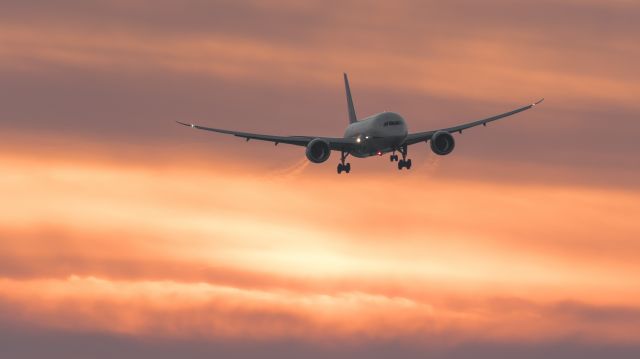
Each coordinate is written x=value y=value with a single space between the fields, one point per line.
x=538 y=102
x=352 y=110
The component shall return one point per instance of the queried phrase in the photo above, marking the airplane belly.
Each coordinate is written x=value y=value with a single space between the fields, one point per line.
x=378 y=146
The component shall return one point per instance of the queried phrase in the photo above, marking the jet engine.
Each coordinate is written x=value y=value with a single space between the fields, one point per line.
x=442 y=143
x=318 y=150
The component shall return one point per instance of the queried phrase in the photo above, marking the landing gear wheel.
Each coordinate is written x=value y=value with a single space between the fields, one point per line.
x=404 y=162
x=342 y=166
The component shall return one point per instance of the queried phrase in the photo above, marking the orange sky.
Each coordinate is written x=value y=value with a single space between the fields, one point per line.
x=114 y=221
x=289 y=254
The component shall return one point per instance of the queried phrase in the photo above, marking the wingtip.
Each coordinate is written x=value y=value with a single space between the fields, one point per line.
x=185 y=124
x=538 y=102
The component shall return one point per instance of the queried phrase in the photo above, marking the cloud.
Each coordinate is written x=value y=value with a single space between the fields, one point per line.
x=459 y=67
x=198 y=310
x=35 y=344
x=115 y=72
x=178 y=250
x=123 y=230
x=168 y=207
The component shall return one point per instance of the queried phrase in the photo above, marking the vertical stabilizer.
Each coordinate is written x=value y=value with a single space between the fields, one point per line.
x=352 y=110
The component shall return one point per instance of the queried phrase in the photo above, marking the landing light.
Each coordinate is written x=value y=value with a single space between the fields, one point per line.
x=358 y=140
x=379 y=153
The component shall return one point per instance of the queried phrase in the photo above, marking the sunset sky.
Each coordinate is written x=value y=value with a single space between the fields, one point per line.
x=123 y=234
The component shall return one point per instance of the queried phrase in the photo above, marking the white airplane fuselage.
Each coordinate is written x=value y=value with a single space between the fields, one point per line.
x=381 y=133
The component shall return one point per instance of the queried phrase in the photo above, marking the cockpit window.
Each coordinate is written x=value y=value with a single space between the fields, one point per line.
x=392 y=123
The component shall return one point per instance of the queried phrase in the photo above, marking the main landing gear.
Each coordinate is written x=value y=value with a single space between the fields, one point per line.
x=404 y=162
x=342 y=166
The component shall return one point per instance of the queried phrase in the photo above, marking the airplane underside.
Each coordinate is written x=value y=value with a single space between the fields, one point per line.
x=344 y=166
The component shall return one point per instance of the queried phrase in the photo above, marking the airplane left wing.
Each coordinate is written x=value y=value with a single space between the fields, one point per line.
x=338 y=144
x=414 y=138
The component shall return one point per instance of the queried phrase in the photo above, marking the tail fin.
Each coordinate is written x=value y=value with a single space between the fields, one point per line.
x=352 y=110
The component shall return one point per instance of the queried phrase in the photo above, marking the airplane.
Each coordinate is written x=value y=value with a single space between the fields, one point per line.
x=385 y=132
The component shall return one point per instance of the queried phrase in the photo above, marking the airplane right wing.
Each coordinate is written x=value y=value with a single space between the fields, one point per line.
x=417 y=137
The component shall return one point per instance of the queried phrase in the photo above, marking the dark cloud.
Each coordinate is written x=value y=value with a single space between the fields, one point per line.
x=595 y=314
x=19 y=342
x=188 y=18
x=588 y=314
x=301 y=22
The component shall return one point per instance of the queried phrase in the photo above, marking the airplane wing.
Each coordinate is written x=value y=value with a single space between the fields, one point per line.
x=417 y=137
x=339 y=144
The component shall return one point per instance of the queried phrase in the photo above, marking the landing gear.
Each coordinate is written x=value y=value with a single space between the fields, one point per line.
x=393 y=157
x=342 y=166
x=346 y=168
x=404 y=162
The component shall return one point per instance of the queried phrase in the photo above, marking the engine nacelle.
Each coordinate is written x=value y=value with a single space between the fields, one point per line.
x=442 y=143
x=318 y=150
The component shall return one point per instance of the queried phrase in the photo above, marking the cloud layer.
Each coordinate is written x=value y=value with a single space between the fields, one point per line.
x=143 y=250
x=120 y=229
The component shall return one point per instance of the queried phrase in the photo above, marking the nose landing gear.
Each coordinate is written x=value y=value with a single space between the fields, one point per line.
x=393 y=157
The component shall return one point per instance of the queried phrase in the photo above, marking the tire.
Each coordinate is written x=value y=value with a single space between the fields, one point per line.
x=408 y=165
x=340 y=168
x=347 y=168
x=400 y=164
